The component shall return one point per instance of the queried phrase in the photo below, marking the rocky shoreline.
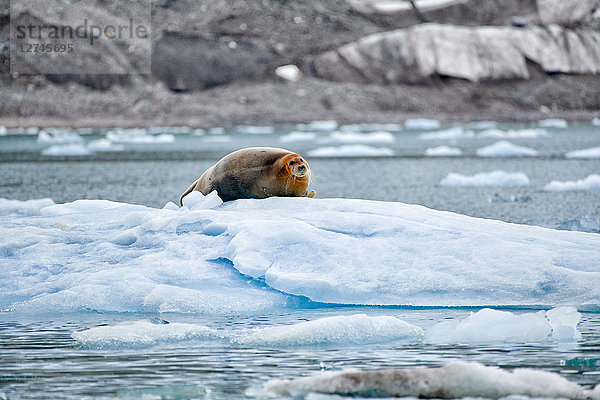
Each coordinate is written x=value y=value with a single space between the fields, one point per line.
x=213 y=64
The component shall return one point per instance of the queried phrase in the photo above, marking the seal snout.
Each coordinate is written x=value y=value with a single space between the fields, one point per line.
x=299 y=168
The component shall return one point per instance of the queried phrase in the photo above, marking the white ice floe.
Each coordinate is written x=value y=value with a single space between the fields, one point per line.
x=142 y=334
x=529 y=133
x=351 y=150
x=482 y=124
x=23 y=208
x=138 y=136
x=351 y=329
x=443 y=151
x=504 y=148
x=422 y=123
x=288 y=72
x=73 y=149
x=318 y=126
x=489 y=325
x=593 y=152
x=102 y=145
x=255 y=130
x=458 y=132
x=494 y=178
x=297 y=136
x=553 y=123
x=248 y=256
x=355 y=137
x=217 y=139
x=592 y=182
x=371 y=127
x=453 y=381
x=58 y=136
x=3 y=130
x=596 y=121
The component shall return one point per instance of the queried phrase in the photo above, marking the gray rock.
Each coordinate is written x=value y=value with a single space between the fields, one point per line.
x=419 y=53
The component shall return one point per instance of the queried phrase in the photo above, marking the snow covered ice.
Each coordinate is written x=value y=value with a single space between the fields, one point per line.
x=593 y=152
x=494 y=178
x=504 y=148
x=250 y=256
x=422 y=123
x=442 y=151
x=592 y=182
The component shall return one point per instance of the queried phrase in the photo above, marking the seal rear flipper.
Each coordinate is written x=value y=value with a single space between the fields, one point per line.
x=188 y=191
x=311 y=195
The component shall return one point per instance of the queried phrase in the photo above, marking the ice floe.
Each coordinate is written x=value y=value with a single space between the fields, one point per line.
x=297 y=136
x=355 y=137
x=351 y=150
x=489 y=325
x=504 y=148
x=217 y=139
x=513 y=133
x=482 y=124
x=101 y=145
x=592 y=182
x=250 y=256
x=318 y=126
x=56 y=137
x=422 y=123
x=553 y=123
x=351 y=329
x=371 y=127
x=494 y=178
x=452 y=381
x=442 y=151
x=255 y=130
x=458 y=132
x=73 y=149
x=596 y=121
x=138 y=136
x=593 y=152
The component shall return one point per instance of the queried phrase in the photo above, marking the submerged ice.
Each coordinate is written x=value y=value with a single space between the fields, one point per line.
x=250 y=256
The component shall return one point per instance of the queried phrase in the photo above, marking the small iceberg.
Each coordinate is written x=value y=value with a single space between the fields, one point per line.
x=453 y=381
x=494 y=178
x=553 y=123
x=104 y=145
x=255 y=130
x=67 y=150
x=138 y=136
x=592 y=182
x=487 y=325
x=593 y=152
x=504 y=148
x=513 y=133
x=443 y=151
x=422 y=124
x=58 y=136
x=351 y=329
x=318 y=126
x=457 y=132
x=371 y=127
x=351 y=150
x=298 y=136
x=363 y=138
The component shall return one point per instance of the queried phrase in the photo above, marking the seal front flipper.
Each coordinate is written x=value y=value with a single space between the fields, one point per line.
x=311 y=194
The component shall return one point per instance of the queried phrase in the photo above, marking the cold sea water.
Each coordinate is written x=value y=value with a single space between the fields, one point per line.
x=83 y=333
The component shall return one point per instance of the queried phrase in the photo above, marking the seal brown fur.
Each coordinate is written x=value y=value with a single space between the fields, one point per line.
x=256 y=172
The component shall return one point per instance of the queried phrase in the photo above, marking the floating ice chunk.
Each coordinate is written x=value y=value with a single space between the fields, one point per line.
x=67 y=150
x=197 y=201
x=217 y=139
x=352 y=329
x=352 y=137
x=443 y=151
x=101 y=145
x=504 y=148
x=489 y=325
x=56 y=136
x=592 y=182
x=255 y=130
x=297 y=136
x=593 y=152
x=553 y=123
x=180 y=130
x=141 y=334
x=138 y=136
x=496 y=198
x=513 y=133
x=3 y=130
x=563 y=321
x=494 y=178
x=318 y=126
x=457 y=132
x=216 y=130
x=351 y=150
x=482 y=124
x=454 y=381
x=371 y=127
x=289 y=73
x=23 y=208
x=422 y=123
x=596 y=121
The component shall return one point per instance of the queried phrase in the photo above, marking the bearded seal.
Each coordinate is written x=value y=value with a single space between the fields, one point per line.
x=255 y=172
